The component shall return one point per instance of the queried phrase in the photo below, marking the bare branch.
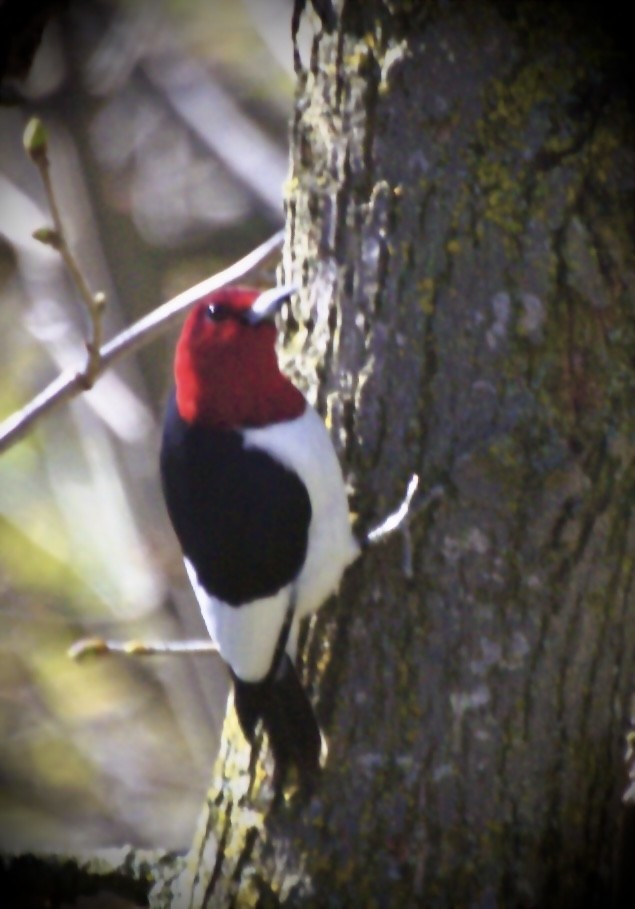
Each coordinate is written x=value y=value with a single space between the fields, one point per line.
x=71 y=382
x=97 y=647
x=399 y=521
x=36 y=144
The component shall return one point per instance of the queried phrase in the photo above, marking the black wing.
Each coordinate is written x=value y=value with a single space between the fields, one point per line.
x=241 y=517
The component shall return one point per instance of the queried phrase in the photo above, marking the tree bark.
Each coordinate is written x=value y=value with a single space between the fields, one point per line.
x=460 y=213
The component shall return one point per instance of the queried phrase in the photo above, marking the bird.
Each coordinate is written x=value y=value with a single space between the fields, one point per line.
x=258 y=502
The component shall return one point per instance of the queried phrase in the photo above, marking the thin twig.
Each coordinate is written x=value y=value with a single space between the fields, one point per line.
x=399 y=521
x=396 y=519
x=61 y=244
x=70 y=383
x=36 y=144
x=97 y=647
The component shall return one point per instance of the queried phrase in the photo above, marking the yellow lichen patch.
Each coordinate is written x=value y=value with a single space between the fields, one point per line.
x=291 y=186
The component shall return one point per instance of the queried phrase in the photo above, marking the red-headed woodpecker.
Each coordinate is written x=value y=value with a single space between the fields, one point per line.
x=255 y=494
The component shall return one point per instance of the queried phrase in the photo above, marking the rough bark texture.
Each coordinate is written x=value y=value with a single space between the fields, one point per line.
x=460 y=209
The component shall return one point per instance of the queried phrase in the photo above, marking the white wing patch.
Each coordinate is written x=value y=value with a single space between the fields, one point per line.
x=246 y=636
x=305 y=446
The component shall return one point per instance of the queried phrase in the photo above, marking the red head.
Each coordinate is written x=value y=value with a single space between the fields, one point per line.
x=226 y=369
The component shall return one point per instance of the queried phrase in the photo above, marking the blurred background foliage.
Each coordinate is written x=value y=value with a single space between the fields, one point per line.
x=168 y=124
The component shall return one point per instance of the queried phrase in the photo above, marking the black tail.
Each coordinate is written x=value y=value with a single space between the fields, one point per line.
x=282 y=704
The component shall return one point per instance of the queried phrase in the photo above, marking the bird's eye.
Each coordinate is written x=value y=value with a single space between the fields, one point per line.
x=216 y=312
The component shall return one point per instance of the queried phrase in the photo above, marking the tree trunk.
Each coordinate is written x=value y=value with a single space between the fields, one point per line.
x=460 y=213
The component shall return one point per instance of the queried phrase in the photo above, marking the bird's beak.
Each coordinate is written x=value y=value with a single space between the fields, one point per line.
x=268 y=303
